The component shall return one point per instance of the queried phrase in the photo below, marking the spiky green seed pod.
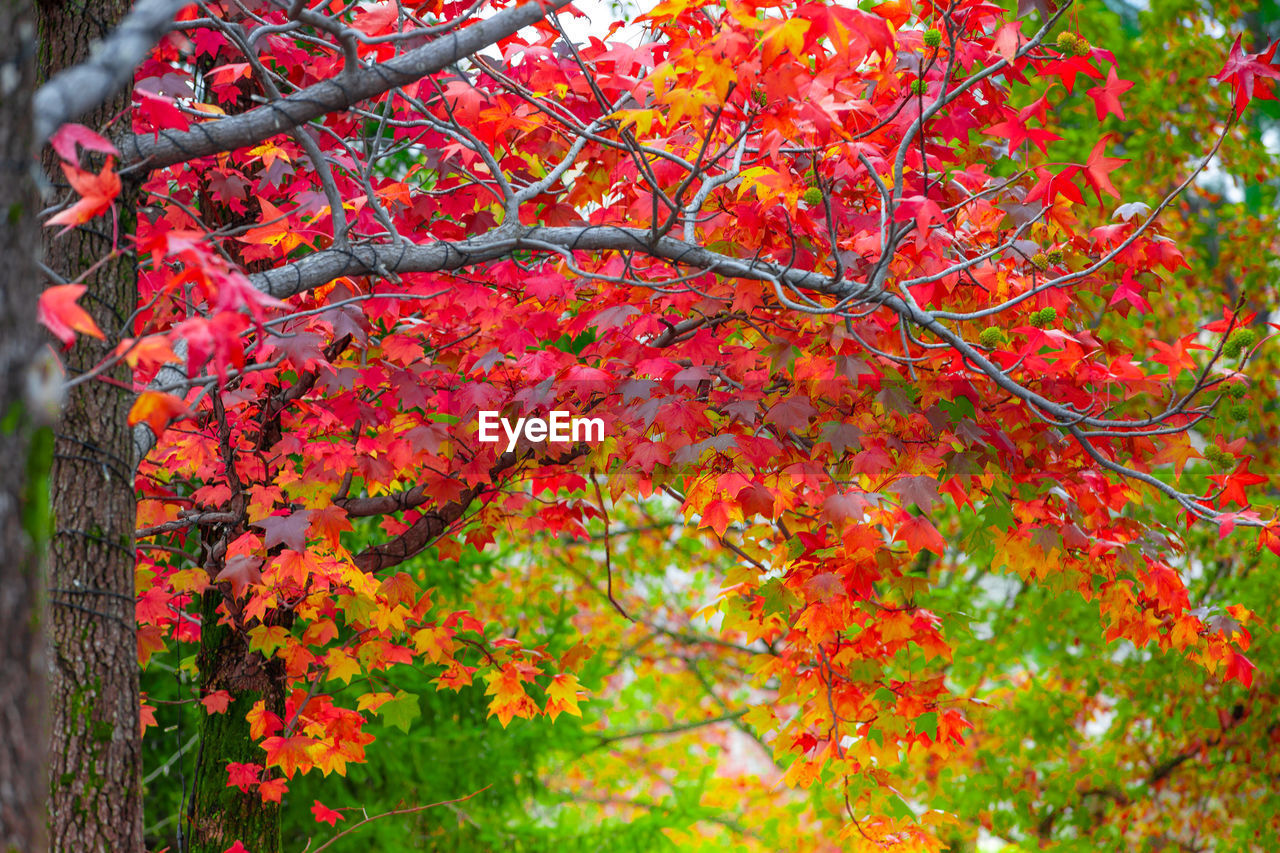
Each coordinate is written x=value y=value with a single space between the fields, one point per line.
x=1240 y=340
x=917 y=87
x=932 y=38
x=1048 y=315
x=991 y=337
x=1036 y=319
x=1237 y=390
x=759 y=97
x=813 y=196
x=1081 y=48
x=1040 y=260
x=1055 y=256
x=1238 y=411
x=1218 y=456
x=1066 y=42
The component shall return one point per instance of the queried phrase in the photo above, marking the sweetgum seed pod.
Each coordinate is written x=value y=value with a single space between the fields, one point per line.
x=1246 y=337
x=813 y=196
x=932 y=38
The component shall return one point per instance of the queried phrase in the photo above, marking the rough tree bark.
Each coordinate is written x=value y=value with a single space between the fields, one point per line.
x=24 y=452
x=95 y=754
x=221 y=815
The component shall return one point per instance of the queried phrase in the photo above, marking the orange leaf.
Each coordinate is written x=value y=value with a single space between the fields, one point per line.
x=290 y=754
x=58 y=312
x=272 y=790
x=147 y=717
x=96 y=194
x=151 y=350
x=261 y=721
x=157 y=409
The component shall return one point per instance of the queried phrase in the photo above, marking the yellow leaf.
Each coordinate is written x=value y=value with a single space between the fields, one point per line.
x=562 y=696
x=341 y=665
x=641 y=120
x=786 y=36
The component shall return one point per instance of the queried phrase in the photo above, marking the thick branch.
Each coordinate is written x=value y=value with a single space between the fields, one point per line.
x=383 y=259
x=422 y=533
x=428 y=528
x=339 y=93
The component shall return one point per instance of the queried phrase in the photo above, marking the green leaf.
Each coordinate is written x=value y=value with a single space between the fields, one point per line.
x=778 y=598
x=897 y=807
x=400 y=711
x=927 y=724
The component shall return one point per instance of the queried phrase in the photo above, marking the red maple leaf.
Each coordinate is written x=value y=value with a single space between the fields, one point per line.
x=1106 y=98
x=324 y=814
x=216 y=702
x=1242 y=71
x=1098 y=169
x=920 y=535
x=1050 y=186
x=1240 y=669
x=1068 y=69
x=1016 y=130
x=243 y=775
x=69 y=135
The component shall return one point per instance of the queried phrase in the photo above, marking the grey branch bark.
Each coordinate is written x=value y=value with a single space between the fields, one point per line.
x=79 y=90
x=339 y=93
x=384 y=259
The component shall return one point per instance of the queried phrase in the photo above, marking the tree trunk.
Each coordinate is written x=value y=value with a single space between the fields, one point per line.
x=221 y=815
x=25 y=448
x=95 y=754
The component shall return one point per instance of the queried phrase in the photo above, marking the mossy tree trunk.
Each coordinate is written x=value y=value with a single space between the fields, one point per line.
x=25 y=448
x=221 y=815
x=95 y=751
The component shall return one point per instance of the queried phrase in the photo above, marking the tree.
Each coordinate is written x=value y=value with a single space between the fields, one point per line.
x=1108 y=749
x=776 y=254
x=24 y=440
x=95 y=751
